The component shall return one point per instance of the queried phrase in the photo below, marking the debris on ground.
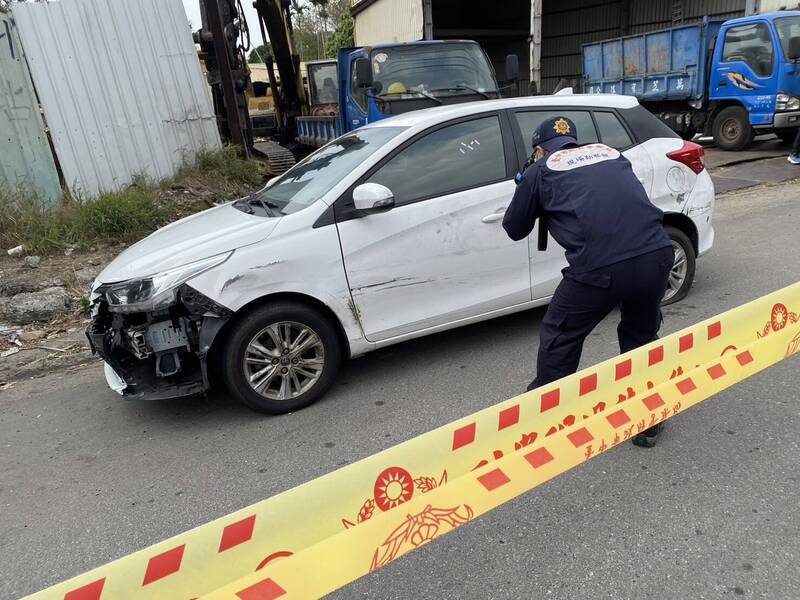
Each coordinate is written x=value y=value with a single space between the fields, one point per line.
x=31 y=262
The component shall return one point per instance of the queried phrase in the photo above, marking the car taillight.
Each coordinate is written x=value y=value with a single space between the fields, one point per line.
x=690 y=155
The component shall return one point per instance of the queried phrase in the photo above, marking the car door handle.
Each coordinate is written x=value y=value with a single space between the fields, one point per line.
x=496 y=216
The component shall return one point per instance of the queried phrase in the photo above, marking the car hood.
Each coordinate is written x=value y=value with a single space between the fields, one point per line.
x=199 y=236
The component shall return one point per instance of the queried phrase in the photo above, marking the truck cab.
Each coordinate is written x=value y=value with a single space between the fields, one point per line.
x=377 y=82
x=754 y=69
x=728 y=79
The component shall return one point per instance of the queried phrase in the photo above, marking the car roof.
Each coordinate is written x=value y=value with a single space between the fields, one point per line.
x=439 y=114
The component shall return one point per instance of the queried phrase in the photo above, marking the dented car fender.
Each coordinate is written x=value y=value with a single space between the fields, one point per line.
x=295 y=259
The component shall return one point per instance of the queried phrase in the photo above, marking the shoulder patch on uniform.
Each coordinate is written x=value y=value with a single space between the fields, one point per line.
x=574 y=158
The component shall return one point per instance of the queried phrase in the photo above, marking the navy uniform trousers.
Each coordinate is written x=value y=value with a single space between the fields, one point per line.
x=636 y=285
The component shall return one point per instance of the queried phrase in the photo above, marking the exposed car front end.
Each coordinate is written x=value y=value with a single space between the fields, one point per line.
x=154 y=332
x=148 y=323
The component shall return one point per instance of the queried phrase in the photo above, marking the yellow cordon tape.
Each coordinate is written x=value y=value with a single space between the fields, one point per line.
x=319 y=536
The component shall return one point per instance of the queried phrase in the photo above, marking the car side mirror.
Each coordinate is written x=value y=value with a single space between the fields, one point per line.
x=363 y=73
x=794 y=48
x=372 y=198
x=512 y=67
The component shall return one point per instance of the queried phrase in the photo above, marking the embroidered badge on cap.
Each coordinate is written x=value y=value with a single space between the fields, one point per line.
x=561 y=127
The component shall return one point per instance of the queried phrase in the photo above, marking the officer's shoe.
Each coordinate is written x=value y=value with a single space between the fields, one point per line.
x=647 y=439
x=794 y=158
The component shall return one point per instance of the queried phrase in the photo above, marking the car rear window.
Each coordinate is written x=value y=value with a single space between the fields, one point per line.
x=528 y=121
x=645 y=125
x=612 y=132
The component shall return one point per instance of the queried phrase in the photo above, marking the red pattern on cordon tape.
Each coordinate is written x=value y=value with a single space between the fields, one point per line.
x=539 y=457
x=580 y=437
x=508 y=417
x=90 y=591
x=493 y=479
x=618 y=419
x=263 y=590
x=164 y=564
x=686 y=386
x=623 y=369
x=464 y=436
x=588 y=384
x=715 y=330
x=716 y=371
x=744 y=358
x=655 y=356
x=237 y=533
x=685 y=342
x=550 y=400
x=653 y=402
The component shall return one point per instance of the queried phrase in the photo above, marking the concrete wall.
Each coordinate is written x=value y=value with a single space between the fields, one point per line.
x=388 y=21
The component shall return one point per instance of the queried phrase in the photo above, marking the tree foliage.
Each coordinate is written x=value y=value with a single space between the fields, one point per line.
x=321 y=27
x=260 y=53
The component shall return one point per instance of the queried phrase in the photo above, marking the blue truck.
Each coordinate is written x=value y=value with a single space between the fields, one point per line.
x=728 y=79
x=368 y=84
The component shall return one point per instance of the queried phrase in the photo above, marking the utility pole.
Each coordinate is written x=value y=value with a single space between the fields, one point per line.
x=536 y=47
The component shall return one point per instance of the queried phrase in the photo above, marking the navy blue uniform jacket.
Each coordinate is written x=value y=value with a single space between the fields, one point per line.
x=595 y=206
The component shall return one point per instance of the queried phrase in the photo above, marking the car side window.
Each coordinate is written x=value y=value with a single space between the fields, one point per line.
x=750 y=44
x=456 y=157
x=612 y=132
x=529 y=120
x=359 y=93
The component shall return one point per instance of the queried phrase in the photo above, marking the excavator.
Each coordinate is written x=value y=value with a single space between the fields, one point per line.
x=360 y=86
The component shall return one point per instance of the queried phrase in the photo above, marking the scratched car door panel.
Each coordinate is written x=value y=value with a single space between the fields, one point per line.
x=441 y=255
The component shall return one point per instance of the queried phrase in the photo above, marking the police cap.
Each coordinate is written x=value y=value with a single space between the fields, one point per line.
x=555 y=133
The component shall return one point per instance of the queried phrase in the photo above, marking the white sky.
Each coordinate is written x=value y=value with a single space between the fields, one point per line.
x=192 y=8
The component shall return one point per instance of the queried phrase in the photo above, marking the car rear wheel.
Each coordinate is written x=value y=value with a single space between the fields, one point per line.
x=281 y=357
x=681 y=276
x=732 y=130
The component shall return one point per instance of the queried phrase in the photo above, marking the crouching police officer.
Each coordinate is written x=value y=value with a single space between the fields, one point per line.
x=591 y=202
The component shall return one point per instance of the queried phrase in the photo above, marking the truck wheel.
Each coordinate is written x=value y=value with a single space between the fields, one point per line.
x=281 y=357
x=787 y=134
x=681 y=276
x=732 y=130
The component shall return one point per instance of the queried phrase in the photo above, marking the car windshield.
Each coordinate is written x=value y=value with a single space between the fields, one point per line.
x=439 y=69
x=309 y=180
x=788 y=28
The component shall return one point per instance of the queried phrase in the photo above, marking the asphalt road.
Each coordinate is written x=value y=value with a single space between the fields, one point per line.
x=711 y=512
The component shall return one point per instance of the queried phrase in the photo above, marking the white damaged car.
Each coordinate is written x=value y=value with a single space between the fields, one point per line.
x=389 y=233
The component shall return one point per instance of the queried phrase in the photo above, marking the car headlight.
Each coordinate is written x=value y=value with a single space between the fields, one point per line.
x=787 y=102
x=157 y=292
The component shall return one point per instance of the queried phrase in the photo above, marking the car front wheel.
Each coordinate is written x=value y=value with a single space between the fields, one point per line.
x=281 y=357
x=681 y=276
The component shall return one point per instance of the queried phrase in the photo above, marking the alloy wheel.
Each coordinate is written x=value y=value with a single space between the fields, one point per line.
x=284 y=360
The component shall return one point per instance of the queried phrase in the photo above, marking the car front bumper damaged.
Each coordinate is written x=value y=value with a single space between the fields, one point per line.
x=160 y=354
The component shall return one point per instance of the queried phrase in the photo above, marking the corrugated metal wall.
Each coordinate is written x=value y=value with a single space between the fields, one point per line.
x=25 y=162
x=567 y=24
x=389 y=21
x=121 y=85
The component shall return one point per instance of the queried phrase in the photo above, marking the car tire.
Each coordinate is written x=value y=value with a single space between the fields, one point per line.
x=681 y=275
x=732 y=129
x=264 y=336
x=787 y=135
